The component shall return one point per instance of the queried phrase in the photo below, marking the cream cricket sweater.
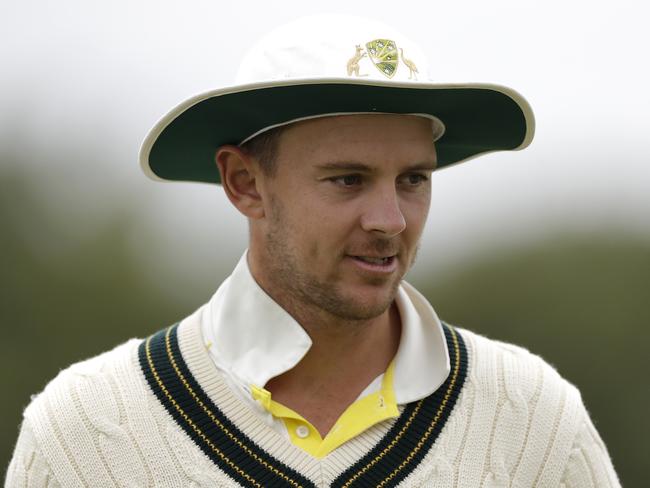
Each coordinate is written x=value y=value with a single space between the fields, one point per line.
x=157 y=413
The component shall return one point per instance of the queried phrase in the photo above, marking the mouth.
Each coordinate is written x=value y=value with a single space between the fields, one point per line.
x=381 y=264
x=372 y=260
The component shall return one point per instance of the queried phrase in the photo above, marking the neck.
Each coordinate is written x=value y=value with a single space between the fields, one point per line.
x=340 y=345
x=350 y=348
x=341 y=363
x=337 y=342
x=331 y=334
x=345 y=357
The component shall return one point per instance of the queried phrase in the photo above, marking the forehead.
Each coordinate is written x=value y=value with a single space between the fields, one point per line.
x=376 y=137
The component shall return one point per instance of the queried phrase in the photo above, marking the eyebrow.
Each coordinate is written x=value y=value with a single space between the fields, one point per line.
x=364 y=168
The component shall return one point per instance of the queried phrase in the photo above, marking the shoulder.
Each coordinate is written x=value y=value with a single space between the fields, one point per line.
x=517 y=406
x=84 y=413
x=98 y=423
x=510 y=376
x=90 y=384
x=520 y=403
x=87 y=391
x=512 y=368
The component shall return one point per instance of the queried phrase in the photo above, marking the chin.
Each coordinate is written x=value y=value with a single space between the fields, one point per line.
x=358 y=312
x=366 y=306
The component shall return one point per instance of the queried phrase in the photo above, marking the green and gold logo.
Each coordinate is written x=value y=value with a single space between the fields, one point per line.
x=384 y=55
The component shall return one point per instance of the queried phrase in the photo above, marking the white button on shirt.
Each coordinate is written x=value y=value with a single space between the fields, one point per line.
x=252 y=339
x=302 y=431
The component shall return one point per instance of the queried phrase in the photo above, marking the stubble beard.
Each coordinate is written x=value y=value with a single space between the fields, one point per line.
x=295 y=288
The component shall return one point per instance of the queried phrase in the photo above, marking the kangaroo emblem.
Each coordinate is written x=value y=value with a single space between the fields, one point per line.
x=353 y=63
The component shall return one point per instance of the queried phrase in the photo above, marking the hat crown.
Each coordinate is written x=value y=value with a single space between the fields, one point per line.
x=333 y=46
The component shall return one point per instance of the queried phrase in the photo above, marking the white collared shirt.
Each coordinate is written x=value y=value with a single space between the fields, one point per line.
x=252 y=339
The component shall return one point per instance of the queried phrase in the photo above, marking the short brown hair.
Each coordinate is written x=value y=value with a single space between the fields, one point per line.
x=264 y=148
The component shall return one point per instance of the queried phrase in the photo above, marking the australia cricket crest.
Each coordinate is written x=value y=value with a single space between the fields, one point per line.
x=384 y=55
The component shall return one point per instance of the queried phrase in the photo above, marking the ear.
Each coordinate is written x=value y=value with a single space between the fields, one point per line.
x=239 y=178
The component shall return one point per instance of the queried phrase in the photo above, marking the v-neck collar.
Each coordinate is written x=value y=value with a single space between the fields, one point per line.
x=187 y=383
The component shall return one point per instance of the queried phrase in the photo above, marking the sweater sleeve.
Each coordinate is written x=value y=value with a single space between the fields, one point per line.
x=589 y=464
x=28 y=467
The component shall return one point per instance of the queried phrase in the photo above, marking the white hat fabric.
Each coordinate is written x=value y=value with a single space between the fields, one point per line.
x=332 y=65
x=277 y=56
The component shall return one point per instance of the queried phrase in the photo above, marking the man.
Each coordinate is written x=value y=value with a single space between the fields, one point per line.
x=314 y=364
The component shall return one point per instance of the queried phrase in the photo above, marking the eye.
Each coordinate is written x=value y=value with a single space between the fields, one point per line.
x=414 y=179
x=347 y=181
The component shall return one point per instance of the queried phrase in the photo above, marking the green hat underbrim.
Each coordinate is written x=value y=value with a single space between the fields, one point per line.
x=478 y=119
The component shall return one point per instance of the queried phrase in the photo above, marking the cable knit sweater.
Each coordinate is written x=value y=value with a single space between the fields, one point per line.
x=157 y=413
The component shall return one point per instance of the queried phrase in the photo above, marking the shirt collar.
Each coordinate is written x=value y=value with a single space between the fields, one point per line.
x=253 y=339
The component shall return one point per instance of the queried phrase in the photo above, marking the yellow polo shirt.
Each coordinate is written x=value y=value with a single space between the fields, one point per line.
x=252 y=339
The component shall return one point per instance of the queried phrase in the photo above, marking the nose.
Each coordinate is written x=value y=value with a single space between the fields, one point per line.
x=383 y=214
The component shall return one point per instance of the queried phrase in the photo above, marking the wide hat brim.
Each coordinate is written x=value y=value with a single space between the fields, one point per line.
x=478 y=119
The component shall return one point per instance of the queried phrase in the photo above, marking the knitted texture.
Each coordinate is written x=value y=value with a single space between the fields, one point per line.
x=516 y=423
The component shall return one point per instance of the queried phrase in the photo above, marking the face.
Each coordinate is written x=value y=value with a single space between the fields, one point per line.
x=344 y=212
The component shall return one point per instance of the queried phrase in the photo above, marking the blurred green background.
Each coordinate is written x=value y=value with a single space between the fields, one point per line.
x=579 y=300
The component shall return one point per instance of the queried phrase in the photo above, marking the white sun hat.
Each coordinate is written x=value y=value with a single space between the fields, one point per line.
x=333 y=65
